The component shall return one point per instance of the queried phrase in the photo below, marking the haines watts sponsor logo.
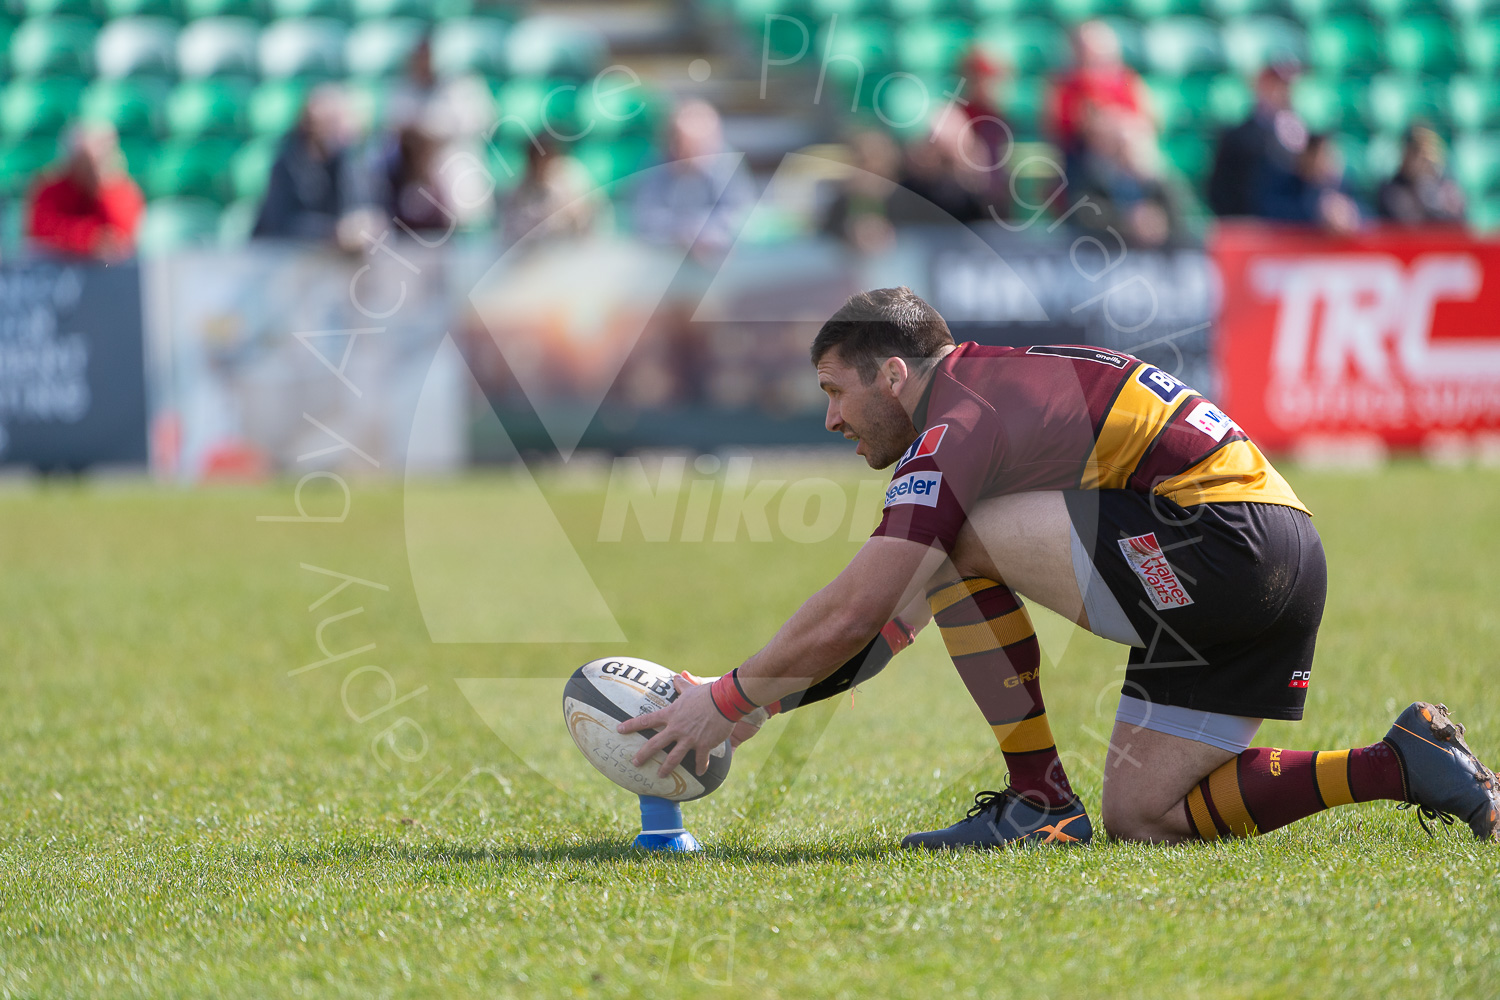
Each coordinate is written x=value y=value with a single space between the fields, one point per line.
x=1144 y=554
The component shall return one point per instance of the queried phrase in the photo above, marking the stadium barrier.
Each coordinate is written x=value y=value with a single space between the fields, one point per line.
x=281 y=359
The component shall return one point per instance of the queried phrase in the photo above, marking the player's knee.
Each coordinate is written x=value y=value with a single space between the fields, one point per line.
x=1126 y=821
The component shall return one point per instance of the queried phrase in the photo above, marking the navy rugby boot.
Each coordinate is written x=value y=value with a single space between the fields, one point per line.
x=1443 y=777
x=998 y=819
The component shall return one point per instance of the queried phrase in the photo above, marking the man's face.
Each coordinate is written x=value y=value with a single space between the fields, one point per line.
x=870 y=414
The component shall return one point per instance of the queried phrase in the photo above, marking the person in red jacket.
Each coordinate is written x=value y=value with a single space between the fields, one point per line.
x=1098 y=81
x=90 y=208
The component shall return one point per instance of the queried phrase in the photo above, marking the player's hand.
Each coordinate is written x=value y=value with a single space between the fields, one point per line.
x=692 y=723
x=746 y=727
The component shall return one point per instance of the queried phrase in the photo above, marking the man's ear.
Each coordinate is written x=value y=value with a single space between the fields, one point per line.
x=895 y=373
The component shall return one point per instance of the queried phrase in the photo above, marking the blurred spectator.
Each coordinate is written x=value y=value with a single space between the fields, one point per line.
x=1260 y=154
x=414 y=193
x=554 y=193
x=1421 y=191
x=316 y=183
x=946 y=169
x=1099 y=80
x=697 y=199
x=1314 y=194
x=91 y=207
x=861 y=212
x=1119 y=170
x=455 y=113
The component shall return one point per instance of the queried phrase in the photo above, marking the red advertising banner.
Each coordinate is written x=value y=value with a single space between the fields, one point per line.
x=1393 y=333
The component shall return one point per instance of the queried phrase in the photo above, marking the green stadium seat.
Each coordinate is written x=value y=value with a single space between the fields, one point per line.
x=136 y=46
x=1184 y=46
x=1074 y=11
x=52 y=46
x=237 y=222
x=1191 y=153
x=369 y=99
x=250 y=170
x=1230 y=100
x=866 y=44
x=916 y=10
x=1312 y=11
x=133 y=107
x=985 y=10
x=219 y=46
x=373 y=10
x=1151 y=10
x=110 y=9
x=608 y=162
x=1023 y=102
x=53 y=8
x=1180 y=103
x=196 y=168
x=337 y=9
x=207 y=108
x=1252 y=43
x=1472 y=10
x=1423 y=45
x=1476 y=164
x=933 y=47
x=193 y=10
x=1474 y=103
x=308 y=48
x=1228 y=10
x=1028 y=45
x=1379 y=162
x=1345 y=45
x=1319 y=102
x=21 y=163
x=1482 y=47
x=906 y=104
x=1395 y=102
x=382 y=48
x=172 y=224
x=473 y=45
x=276 y=105
x=1392 y=11
x=544 y=46
x=38 y=107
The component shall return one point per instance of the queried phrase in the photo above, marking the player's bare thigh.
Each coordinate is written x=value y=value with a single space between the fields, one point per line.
x=1024 y=540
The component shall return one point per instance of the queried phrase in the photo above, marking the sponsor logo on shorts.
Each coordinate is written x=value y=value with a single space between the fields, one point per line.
x=1211 y=420
x=925 y=445
x=1300 y=678
x=914 y=487
x=1168 y=387
x=1145 y=556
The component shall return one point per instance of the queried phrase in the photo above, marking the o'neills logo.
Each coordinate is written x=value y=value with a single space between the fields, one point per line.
x=1144 y=554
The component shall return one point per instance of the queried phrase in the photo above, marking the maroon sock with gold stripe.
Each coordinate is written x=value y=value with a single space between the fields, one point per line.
x=989 y=636
x=1264 y=789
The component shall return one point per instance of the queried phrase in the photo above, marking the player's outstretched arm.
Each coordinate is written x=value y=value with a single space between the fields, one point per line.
x=833 y=624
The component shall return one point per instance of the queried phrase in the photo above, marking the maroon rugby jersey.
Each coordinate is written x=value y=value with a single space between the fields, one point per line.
x=1000 y=420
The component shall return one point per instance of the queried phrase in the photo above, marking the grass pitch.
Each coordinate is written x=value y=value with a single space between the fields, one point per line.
x=183 y=817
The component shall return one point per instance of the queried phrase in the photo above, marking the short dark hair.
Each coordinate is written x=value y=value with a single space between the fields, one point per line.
x=880 y=324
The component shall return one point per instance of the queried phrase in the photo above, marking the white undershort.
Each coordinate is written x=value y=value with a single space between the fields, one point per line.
x=1227 y=732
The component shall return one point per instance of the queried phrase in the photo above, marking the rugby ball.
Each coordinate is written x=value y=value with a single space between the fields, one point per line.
x=605 y=692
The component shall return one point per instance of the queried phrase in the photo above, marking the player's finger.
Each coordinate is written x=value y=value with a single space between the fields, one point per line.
x=652 y=747
x=673 y=759
x=651 y=720
x=700 y=762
